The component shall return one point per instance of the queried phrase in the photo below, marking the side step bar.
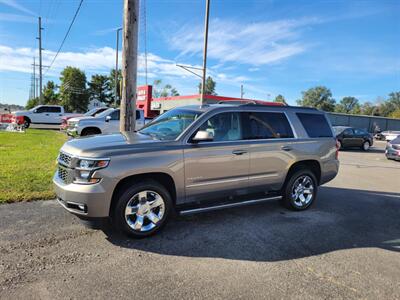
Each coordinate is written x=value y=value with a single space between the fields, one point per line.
x=227 y=205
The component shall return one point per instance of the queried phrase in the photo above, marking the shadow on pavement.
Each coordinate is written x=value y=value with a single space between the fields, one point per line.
x=340 y=219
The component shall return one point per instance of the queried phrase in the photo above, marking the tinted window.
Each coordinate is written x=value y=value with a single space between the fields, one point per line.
x=54 y=109
x=115 y=115
x=267 y=125
x=137 y=115
x=42 y=109
x=315 y=125
x=348 y=131
x=224 y=127
x=360 y=131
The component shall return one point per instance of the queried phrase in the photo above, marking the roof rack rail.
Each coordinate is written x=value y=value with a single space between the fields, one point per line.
x=237 y=102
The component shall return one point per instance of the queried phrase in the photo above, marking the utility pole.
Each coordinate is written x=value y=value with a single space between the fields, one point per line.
x=34 y=78
x=241 y=91
x=203 y=84
x=40 y=61
x=116 y=70
x=129 y=65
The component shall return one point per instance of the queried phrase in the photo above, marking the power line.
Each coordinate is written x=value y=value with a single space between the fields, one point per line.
x=66 y=34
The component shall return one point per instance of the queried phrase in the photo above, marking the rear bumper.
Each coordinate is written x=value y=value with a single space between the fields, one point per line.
x=329 y=170
x=392 y=154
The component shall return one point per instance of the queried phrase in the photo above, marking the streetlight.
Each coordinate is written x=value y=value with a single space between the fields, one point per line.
x=116 y=69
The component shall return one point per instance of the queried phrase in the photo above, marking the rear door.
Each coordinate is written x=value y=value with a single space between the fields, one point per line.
x=55 y=114
x=218 y=168
x=270 y=138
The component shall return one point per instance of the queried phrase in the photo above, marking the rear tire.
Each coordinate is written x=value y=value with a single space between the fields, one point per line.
x=300 y=190
x=339 y=145
x=142 y=209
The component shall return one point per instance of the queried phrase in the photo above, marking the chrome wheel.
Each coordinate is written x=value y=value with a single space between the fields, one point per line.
x=144 y=211
x=302 y=191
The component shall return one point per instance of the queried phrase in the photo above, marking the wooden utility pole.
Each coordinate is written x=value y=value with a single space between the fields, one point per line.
x=129 y=65
x=203 y=84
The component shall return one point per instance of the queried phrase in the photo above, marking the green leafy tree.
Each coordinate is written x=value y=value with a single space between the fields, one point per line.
x=280 y=99
x=99 y=89
x=395 y=114
x=32 y=103
x=390 y=105
x=348 y=105
x=50 y=96
x=163 y=91
x=73 y=93
x=319 y=97
x=210 y=86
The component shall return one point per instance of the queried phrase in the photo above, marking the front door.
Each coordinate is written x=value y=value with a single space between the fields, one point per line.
x=112 y=124
x=218 y=168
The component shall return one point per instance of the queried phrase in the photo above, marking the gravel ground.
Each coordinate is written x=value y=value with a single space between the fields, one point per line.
x=346 y=246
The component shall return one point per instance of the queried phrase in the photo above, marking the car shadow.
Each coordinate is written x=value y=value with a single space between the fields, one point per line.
x=340 y=219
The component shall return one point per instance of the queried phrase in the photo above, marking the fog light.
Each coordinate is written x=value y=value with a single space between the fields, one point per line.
x=85 y=174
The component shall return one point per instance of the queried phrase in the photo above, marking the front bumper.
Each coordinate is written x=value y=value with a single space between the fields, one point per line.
x=72 y=132
x=91 y=201
x=392 y=154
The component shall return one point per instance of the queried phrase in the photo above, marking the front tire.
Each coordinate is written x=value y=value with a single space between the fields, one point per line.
x=142 y=209
x=365 y=146
x=27 y=123
x=300 y=190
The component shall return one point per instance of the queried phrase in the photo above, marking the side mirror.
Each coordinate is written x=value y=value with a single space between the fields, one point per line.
x=108 y=118
x=203 y=136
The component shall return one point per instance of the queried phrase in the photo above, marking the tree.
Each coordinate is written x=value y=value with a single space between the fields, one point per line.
x=319 y=97
x=395 y=114
x=99 y=89
x=112 y=83
x=348 y=105
x=165 y=91
x=210 y=86
x=50 y=96
x=73 y=93
x=32 y=103
x=280 y=99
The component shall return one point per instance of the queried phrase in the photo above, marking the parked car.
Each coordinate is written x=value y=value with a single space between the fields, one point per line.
x=194 y=159
x=349 y=137
x=91 y=113
x=105 y=122
x=42 y=114
x=390 y=135
x=393 y=149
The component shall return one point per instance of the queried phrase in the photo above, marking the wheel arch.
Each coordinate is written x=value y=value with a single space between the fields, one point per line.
x=163 y=178
x=97 y=129
x=310 y=164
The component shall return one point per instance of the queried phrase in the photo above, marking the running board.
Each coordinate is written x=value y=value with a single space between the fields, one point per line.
x=228 y=205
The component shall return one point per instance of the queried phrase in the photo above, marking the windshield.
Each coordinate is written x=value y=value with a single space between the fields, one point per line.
x=105 y=113
x=339 y=130
x=171 y=124
x=94 y=112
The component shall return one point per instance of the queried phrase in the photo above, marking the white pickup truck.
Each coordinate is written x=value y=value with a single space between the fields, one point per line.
x=42 y=114
x=105 y=122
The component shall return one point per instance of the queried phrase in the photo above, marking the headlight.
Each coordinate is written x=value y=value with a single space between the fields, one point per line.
x=86 y=168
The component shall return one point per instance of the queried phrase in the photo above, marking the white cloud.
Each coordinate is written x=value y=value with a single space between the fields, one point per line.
x=14 y=4
x=254 y=44
x=17 y=18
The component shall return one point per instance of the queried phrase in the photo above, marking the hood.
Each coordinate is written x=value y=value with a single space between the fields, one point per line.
x=106 y=145
x=77 y=119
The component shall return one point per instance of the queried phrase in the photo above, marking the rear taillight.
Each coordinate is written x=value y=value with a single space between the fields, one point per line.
x=337 y=149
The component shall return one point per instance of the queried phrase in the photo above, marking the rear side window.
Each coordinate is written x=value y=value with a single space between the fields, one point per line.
x=267 y=125
x=315 y=125
x=54 y=109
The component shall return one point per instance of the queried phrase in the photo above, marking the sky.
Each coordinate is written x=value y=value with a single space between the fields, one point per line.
x=269 y=47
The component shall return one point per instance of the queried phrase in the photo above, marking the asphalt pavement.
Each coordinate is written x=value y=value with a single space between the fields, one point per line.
x=346 y=246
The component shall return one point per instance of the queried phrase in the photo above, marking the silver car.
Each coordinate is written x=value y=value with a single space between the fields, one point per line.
x=198 y=158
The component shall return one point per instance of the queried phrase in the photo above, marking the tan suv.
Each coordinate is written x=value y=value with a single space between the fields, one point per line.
x=193 y=159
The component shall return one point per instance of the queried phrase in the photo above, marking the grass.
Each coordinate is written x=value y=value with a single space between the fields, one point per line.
x=27 y=164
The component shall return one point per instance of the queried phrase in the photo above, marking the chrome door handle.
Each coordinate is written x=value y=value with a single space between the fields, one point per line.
x=286 y=148
x=239 y=152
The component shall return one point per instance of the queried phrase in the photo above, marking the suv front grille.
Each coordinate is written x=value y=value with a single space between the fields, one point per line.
x=65 y=174
x=64 y=159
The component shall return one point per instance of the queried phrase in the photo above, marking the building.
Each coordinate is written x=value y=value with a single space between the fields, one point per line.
x=154 y=106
